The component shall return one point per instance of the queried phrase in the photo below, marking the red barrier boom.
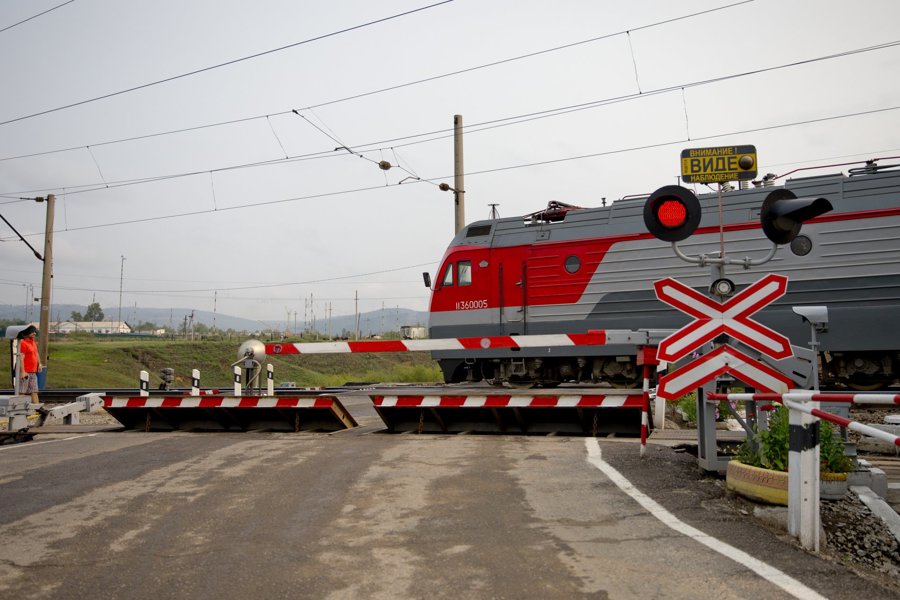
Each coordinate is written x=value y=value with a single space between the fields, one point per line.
x=494 y=342
x=815 y=397
x=795 y=401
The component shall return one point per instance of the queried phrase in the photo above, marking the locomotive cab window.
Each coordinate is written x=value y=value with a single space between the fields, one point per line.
x=464 y=272
x=459 y=273
x=448 y=275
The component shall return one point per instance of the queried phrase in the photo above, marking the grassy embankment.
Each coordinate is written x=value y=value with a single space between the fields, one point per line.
x=90 y=363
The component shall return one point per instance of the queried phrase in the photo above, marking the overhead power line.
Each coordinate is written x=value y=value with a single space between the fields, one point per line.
x=481 y=172
x=435 y=135
x=255 y=286
x=224 y=64
x=8 y=27
x=383 y=90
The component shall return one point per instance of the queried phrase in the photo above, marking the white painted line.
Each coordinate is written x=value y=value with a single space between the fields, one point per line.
x=32 y=444
x=766 y=571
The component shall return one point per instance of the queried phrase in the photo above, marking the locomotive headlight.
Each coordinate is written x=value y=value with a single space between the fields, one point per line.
x=722 y=288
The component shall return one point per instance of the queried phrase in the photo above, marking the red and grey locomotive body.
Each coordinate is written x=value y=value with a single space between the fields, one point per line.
x=571 y=270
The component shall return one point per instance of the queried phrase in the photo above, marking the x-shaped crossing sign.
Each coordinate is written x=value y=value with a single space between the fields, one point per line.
x=731 y=317
x=723 y=359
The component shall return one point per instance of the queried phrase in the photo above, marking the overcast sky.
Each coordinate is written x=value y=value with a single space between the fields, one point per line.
x=257 y=241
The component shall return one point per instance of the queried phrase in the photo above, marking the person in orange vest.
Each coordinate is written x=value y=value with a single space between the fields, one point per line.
x=31 y=362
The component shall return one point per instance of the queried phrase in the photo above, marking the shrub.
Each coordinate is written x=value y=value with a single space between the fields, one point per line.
x=769 y=449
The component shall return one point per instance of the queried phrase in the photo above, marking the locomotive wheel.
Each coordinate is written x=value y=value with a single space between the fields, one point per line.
x=867 y=385
x=623 y=384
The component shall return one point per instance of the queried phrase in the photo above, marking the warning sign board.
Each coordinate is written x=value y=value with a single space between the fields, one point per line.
x=718 y=164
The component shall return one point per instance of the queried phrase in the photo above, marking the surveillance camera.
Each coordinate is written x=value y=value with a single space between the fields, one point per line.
x=815 y=315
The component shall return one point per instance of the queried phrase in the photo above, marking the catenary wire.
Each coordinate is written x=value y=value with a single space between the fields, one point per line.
x=473 y=128
x=40 y=14
x=381 y=90
x=481 y=172
x=223 y=64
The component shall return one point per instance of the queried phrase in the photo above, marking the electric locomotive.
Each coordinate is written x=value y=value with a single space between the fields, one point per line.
x=570 y=270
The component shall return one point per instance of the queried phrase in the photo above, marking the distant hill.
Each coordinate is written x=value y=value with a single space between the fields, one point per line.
x=370 y=323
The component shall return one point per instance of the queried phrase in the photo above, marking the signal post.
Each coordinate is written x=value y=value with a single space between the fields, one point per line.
x=672 y=214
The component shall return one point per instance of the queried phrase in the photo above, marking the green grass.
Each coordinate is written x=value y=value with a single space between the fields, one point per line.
x=101 y=364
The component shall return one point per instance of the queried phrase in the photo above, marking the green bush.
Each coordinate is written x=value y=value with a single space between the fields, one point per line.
x=688 y=404
x=769 y=449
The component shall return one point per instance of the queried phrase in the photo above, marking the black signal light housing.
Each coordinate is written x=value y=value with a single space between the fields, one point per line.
x=783 y=213
x=672 y=213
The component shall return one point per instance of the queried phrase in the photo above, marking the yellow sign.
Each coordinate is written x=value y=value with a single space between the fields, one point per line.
x=717 y=165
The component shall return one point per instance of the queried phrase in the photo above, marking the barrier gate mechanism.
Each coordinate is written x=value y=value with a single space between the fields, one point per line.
x=262 y=411
x=526 y=411
x=230 y=413
x=457 y=410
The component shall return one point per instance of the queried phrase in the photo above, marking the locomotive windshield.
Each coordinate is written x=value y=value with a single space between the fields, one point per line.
x=463 y=273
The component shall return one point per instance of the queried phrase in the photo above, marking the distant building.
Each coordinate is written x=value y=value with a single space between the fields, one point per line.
x=63 y=327
x=413 y=332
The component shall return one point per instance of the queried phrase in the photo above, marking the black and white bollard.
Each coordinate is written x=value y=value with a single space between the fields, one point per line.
x=144 y=383
x=270 y=379
x=237 y=381
x=803 y=477
x=195 y=382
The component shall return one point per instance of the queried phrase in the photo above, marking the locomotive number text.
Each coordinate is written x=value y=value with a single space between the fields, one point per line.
x=471 y=304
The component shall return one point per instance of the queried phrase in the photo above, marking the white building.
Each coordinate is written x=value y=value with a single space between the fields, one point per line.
x=413 y=332
x=87 y=326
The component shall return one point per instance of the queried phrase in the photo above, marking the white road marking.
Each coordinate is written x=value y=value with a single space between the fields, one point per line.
x=766 y=571
x=32 y=444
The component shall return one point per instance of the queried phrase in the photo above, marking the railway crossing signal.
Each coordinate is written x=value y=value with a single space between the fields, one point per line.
x=672 y=213
x=731 y=317
x=783 y=213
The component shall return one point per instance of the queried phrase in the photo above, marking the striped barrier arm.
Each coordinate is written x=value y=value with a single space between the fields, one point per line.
x=591 y=338
x=217 y=402
x=795 y=401
x=841 y=421
x=812 y=397
x=509 y=401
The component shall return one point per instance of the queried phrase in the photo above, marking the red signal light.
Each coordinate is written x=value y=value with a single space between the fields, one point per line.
x=671 y=213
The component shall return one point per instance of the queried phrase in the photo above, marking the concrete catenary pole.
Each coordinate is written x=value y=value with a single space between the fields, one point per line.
x=458 y=183
x=44 y=323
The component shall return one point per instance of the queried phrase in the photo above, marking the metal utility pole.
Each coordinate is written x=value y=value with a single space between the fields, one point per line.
x=458 y=183
x=121 y=278
x=44 y=325
x=356 y=310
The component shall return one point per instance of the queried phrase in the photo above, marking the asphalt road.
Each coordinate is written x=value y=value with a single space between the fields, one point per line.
x=363 y=514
